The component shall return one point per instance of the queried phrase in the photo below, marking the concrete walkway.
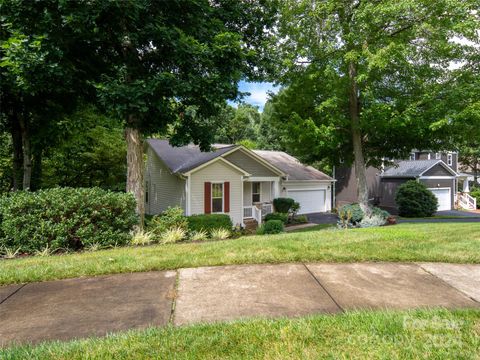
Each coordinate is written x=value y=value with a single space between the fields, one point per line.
x=76 y=308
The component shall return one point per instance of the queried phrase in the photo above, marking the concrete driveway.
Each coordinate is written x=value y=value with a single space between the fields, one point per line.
x=77 y=308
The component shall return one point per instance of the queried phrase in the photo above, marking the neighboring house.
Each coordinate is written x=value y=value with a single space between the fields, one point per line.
x=437 y=170
x=231 y=179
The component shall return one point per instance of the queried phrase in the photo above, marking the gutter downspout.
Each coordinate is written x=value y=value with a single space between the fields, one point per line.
x=334 y=205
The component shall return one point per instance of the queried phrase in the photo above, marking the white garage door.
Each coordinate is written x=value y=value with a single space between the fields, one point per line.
x=310 y=201
x=443 y=197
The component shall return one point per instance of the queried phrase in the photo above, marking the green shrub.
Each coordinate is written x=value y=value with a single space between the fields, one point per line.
x=173 y=235
x=271 y=227
x=209 y=222
x=475 y=193
x=354 y=210
x=171 y=218
x=277 y=216
x=66 y=218
x=353 y=214
x=283 y=205
x=220 y=234
x=415 y=200
x=299 y=219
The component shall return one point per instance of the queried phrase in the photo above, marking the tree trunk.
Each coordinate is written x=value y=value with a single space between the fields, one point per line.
x=16 y=134
x=359 y=160
x=27 y=154
x=135 y=169
x=36 y=182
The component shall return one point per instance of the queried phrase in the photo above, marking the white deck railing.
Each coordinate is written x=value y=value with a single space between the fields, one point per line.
x=466 y=201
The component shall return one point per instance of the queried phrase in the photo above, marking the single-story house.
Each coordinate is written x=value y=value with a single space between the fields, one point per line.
x=230 y=179
x=383 y=184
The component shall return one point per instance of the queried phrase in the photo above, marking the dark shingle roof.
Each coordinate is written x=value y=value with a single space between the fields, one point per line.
x=410 y=168
x=291 y=166
x=184 y=158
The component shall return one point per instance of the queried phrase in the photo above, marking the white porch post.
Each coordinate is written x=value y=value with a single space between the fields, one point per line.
x=276 y=189
x=466 y=187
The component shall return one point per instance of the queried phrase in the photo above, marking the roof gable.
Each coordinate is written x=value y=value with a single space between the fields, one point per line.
x=416 y=168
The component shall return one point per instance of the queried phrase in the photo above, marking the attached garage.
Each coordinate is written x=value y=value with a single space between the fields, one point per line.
x=310 y=200
x=437 y=176
x=444 y=198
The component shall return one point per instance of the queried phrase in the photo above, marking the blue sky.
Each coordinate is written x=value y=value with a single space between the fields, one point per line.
x=258 y=92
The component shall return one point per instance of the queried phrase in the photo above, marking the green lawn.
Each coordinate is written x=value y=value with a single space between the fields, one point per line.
x=435 y=334
x=456 y=243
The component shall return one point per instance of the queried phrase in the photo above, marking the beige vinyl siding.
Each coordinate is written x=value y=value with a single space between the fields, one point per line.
x=250 y=165
x=217 y=171
x=247 y=193
x=164 y=188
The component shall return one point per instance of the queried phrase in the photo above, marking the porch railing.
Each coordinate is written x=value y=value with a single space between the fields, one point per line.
x=248 y=212
x=466 y=201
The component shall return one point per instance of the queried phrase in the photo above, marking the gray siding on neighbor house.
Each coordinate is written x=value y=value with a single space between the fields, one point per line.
x=437 y=170
x=441 y=183
x=250 y=165
x=346 y=186
x=388 y=191
x=217 y=171
x=164 y=189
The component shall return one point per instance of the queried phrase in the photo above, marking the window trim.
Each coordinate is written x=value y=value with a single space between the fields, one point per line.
x=223 y=197
x=412 y=156
x=438 y=156
x=449 y=159
x=259 y=192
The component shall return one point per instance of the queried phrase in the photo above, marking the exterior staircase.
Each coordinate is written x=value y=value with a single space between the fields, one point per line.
x=466 y=202
x=250 y=224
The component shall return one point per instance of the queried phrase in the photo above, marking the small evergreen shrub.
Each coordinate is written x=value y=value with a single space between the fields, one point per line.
x=271 y=227
x=277 y=216
x=415 y=200
x=209 y=222
x=352 y=212
x=351 y=215
x=283 y=205
x=171 y=218
x=66 y=218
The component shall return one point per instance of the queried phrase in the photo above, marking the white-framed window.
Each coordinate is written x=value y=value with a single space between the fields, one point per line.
x=412 y=156
x=217 y=197
x=428 y=156
x=256 y=190
x=438 y=156
x=449 y=159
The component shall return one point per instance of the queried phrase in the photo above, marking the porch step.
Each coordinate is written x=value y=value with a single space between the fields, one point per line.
x=250 y=224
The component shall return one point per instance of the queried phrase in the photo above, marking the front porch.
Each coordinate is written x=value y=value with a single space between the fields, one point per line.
x=258 y=199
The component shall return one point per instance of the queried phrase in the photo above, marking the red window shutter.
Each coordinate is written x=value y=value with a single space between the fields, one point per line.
x=226 y=197
x=207 y=198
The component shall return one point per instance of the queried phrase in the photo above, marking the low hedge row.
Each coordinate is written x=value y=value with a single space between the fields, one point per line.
x=65 y=218
x=209 y=222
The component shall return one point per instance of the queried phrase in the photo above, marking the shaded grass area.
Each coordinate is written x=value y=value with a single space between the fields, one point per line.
x=455 y=243
x=437 y=334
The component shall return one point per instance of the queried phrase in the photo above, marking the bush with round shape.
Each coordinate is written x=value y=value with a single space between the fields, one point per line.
x=209 y=222
x=277 y=216
x=283 y=205
x=271 y=227
x=66 y=219
x=415 y=200
x=374 y=220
